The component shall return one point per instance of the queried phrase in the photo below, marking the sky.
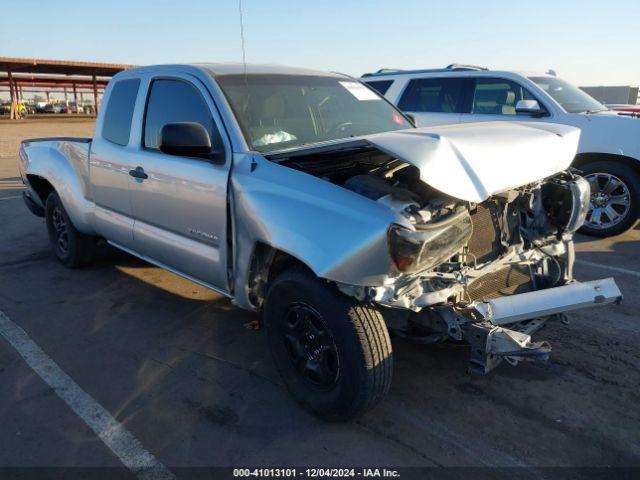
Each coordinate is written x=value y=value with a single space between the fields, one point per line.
x=586 y=42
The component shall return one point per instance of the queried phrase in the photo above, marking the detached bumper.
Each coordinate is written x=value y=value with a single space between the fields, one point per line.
x=524 y=314
x=542 y=303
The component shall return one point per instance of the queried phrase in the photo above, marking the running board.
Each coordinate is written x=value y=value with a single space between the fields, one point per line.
x=542 y=303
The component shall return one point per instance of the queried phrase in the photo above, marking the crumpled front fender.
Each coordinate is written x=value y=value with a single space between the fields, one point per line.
x=337 y=233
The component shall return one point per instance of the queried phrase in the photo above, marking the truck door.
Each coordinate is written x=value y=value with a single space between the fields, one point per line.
x=110 y=162
x=180 y=203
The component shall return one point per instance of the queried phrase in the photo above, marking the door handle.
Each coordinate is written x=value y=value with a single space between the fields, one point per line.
x=138 y=173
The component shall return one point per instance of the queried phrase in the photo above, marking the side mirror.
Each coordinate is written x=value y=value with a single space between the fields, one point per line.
x=411 y=118
x=187 y=139
x=530 y=107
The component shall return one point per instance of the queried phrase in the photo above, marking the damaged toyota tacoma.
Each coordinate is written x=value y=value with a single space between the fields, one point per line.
x=309 y=198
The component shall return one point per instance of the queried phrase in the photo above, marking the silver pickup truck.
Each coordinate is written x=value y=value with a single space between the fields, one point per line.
x=308 y=197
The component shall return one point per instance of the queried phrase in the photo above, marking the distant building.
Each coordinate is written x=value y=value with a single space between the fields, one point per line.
x=614 y=95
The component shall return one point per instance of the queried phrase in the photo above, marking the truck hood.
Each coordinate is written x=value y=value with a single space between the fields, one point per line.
x=476 y=160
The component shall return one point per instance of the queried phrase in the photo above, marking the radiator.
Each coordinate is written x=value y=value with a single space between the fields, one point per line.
x=485 y=244
x=506 y=281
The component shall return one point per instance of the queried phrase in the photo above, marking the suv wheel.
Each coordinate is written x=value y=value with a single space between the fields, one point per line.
x=71 y=247
x=615 y=192
x=332 y=352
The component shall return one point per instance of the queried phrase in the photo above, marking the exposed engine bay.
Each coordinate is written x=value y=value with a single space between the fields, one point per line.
x=459 y=255
x=452 y=241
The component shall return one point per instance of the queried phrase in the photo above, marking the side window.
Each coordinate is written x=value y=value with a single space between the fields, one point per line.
x=380 y=85
x=441 y=95
x=117 y=119
x=175 y=101
x=497 y=96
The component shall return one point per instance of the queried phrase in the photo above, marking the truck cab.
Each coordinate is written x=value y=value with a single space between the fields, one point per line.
x=171 y=208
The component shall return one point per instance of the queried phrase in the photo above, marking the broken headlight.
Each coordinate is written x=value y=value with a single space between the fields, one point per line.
x=567 y=202
x=430 y=244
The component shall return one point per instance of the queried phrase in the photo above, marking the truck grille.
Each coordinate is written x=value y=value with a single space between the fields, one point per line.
x=506 y=281
x=485 y=244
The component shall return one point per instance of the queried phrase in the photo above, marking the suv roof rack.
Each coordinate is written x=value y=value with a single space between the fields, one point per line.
x=383 y=71
x=462 y=66
x=395 y=71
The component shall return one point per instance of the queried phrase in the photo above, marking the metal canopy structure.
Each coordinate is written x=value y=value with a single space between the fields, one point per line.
x=50 y=81
x=61 y=74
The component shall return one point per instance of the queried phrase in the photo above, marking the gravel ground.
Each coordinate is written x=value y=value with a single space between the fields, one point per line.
x=13 y=132
x=173 y=363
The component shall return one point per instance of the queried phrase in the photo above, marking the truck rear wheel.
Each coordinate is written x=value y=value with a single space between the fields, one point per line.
x=332 y=352
x=73 y=248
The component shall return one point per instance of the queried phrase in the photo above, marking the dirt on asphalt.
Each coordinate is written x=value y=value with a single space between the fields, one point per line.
x=173 y=362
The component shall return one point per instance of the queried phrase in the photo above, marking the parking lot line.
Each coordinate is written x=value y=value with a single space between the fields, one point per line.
x=11 y=197
x=120 y=441
x=608 y=267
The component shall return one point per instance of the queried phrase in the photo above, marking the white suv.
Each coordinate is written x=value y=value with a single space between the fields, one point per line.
x=609 y=151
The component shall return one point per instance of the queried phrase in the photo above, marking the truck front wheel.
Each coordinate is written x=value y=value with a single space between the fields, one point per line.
x=332 y=351
x=71 y=247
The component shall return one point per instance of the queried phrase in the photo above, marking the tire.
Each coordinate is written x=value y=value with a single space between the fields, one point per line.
x=354 y=343
x=73 y=248
x=628 y=186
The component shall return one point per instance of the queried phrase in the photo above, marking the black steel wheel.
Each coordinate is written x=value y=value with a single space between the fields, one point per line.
x=332 y=351
x=60 y=230
x=71 y=247
x=310 y=344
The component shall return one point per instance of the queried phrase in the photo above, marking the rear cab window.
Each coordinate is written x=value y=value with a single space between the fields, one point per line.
x=116 y=127
x=439 y=95
x=381 y=86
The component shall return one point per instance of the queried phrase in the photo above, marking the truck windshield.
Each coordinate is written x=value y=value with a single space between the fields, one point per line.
x=571 y=98
x=286 y=111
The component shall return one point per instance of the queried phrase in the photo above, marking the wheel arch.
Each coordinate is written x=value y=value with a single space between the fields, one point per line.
x=265 y=264
x=41 y=187
x=583 y=159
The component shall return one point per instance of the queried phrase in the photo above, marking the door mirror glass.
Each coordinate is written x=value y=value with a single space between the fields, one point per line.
x=187 y=139
x=529 y=107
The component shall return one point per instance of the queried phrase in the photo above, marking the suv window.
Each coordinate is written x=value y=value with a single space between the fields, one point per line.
x=571 y=98
x=380 y=85
x=175 y=101
x=497 y=96
x=117 y=119
x=432 y=95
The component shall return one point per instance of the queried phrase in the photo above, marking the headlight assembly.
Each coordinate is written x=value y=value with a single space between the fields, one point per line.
x=567 y=202
x=430 y=244
x=581 y=192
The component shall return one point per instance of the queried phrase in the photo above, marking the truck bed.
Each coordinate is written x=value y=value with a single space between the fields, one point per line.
x=58 y=139
x=48 y=160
